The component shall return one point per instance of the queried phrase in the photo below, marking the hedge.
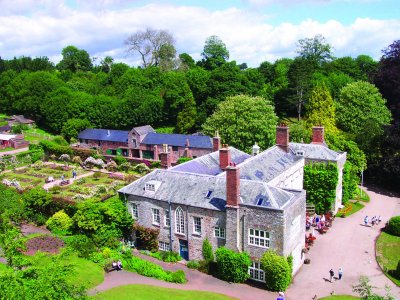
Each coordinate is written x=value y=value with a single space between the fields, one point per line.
x=278 y=271
x=393 y=226
x=51 y=147
x=232 y=266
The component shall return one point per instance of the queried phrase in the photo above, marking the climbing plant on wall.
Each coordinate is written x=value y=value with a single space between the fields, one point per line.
x=320 y=182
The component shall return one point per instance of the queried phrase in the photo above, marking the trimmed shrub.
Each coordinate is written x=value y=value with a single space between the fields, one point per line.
x=119 y=159
x=178 y=277
x=277 y=270
x=232 y=266
x=77 y=160
x=54 y=148
x=155 y=165
x=193 y=264
x=182 y=160
x=207 y=251
x=393 y=226
x=60 y=222
x=147 y=238
x=141 y=168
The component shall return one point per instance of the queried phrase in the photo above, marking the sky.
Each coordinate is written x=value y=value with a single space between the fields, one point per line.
x=253 y=30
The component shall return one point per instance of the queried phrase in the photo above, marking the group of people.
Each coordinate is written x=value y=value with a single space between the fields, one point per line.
x=332 y=274
x=117 y=265
x=317 y=221
x=374 y=221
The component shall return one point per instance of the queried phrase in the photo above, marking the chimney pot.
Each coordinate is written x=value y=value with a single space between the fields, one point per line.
x=224 y=157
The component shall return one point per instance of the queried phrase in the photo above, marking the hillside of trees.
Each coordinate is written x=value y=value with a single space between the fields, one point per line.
x=356 y=99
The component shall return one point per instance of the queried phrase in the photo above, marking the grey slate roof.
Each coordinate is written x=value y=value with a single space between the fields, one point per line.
x=143 y=130
x=209 y=164
x=195 y=141
x=104 y=135
x=5 y=128
x=268 y=164
x=191 y=189
x=315 y=151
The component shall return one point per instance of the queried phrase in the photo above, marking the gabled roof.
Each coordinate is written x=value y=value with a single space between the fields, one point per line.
x=195 y=141
x=143 y=130
x=22 y=119
x=268 y=164
x=193 y=189
x=316 y=151
x=209 y=164
x=104 y=135
x=7 y=137
x=5 y=128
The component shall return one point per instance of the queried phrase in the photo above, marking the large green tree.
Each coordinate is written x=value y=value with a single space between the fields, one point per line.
x=360 y=110
x=316 y=49
x=214 y=53
x=75 y=59
x=243 y=120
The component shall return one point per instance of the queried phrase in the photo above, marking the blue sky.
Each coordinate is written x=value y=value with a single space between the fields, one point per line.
x=253 y=30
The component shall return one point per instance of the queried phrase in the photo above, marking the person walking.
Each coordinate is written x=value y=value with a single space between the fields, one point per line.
x=379 y=219
x=340 y=272
x=281 y=296
x=366 y=220
x=73 y=174
x=331 y=274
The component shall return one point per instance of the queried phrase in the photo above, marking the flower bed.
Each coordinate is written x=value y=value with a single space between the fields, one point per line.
x=44 y=243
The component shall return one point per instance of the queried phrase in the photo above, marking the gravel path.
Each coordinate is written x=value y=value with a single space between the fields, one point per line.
x=13 y=151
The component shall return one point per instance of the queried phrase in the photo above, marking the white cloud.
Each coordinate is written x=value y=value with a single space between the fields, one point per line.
x=248 y=37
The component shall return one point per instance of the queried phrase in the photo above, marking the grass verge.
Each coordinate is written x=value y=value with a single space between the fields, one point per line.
x=361 y=195
x=350 y=208
x=340 y=297
x=147 y=292
x=388 y=254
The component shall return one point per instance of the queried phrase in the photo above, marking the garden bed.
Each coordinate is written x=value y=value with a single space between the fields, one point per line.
x=43 y=243
x=350 y=208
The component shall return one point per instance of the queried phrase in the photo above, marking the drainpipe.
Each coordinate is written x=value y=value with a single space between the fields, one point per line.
x=243 y=230
x=170 y=225
x=187 y=228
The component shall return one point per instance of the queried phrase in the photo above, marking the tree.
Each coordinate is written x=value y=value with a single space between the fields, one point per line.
x=214 y=52
x=320 y=109
x=388 y=77
x=72 y=127
x=106 y=64
x=75 y=59
x=360 y=109
x=152 y=46
x=277 y=271
x=315 y=49
x=243 y=120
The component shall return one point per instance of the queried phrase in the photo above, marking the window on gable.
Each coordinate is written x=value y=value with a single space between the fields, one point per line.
x=180 y=221
x=156 y=216
x=255 y=272
x=197 y=225
x=259 y=238
x=220 y=232
x=167 y=218
x=133 y=210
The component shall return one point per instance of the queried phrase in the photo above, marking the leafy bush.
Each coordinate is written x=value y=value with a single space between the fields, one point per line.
x=178 y=277
x=277 y=270
x=80 y=181
x=54 y=148
x=232 y=266
x=77 y=160
x=111 y=166
x=141 y=168
x=37 y=203
x=82 y=245
x=193 y=264
x=182 y=160
x=119 y=159
x=126 y=167
x=207 y=250
x=96 y=175
x=155 y=165
x=147 y=238
x=167 y=256
x=60 y=222
x=393 y=226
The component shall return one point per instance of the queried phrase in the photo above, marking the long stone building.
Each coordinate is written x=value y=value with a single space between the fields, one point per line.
x=244 y=202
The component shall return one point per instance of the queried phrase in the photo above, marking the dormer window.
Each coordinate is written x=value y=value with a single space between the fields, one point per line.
x=208 y=195
x=152 y=185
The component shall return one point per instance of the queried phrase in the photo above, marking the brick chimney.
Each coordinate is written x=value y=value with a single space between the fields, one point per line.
x=187 y=152
x=232 y=185
x=318 y=135
x=224 y=156
x=165 y=157
x=282 y=137
x=216 y=141
x=155 y=155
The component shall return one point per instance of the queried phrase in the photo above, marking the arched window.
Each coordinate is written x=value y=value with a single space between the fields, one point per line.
x=179 y=221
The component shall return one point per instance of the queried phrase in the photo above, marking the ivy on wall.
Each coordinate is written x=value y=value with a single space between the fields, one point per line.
x=320 y=181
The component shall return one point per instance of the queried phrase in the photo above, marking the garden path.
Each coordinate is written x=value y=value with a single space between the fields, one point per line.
x=14 y=151
x=71 y=180
x=350 y=245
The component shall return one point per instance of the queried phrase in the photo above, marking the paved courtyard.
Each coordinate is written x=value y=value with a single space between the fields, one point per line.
x=348 y=244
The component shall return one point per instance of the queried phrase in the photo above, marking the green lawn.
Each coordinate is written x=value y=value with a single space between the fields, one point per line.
x=388 y=254
x=350 y=208
x=3 y=268
x=340 y=297
x=147 y=292
x=6 y=149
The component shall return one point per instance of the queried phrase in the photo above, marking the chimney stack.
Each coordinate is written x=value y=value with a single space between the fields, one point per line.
x=216 y=141
x=232 y=186
x=282 y=137
x=165 y=157
x=318 y=135
x=187 y=152
x=155 y=153
x=224 y=156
